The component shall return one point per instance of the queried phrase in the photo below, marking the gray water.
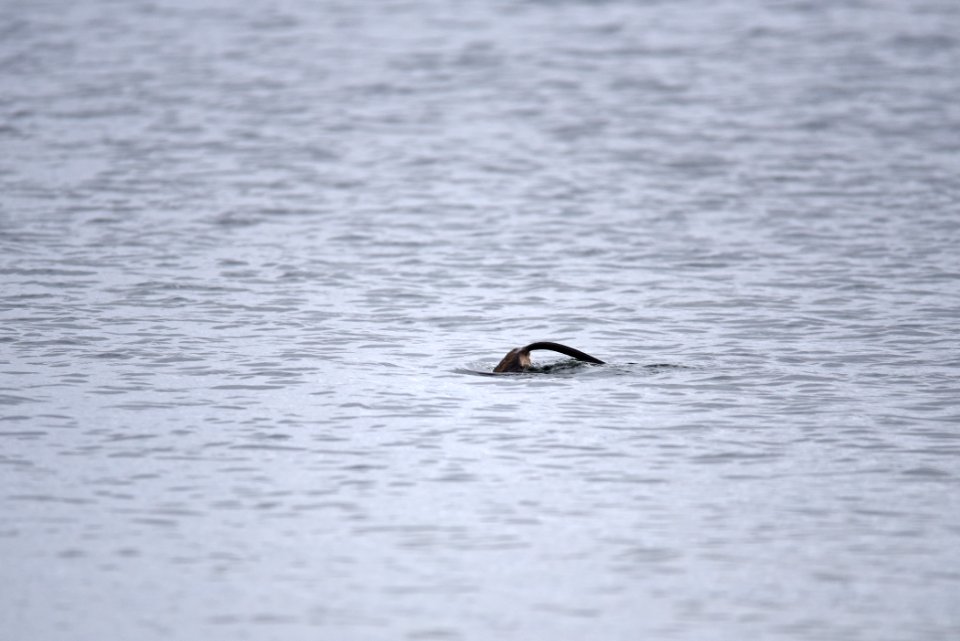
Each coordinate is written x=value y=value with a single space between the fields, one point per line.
x=251 y=255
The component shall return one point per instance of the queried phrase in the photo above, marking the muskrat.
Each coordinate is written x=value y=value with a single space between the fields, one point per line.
x=518 y=360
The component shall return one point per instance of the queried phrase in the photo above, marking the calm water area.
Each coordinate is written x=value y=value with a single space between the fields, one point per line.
x=254 y=254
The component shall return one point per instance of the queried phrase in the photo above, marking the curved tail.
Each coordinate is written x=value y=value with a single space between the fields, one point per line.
x=518 y=360
x=563 y=349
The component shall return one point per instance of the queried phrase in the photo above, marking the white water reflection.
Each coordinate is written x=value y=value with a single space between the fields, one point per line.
x=250 y=256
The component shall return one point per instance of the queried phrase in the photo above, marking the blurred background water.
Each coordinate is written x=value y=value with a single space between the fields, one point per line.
x=250 y=253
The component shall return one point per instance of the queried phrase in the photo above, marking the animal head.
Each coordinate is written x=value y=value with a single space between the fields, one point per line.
x=516 y=360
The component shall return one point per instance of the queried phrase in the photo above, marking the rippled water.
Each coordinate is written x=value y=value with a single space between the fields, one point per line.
x=251 y=254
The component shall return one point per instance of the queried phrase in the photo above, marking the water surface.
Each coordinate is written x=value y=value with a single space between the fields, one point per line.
x=250 y=255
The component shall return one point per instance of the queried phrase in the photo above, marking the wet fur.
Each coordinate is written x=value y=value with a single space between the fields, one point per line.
x=518 y=360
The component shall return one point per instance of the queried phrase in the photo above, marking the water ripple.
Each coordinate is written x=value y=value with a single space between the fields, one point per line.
x=258 y=262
